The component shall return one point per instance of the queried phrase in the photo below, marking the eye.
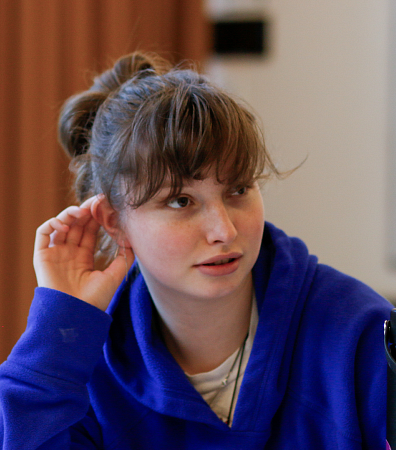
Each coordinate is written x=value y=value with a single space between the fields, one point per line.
x=179 y=202
x=240 y=190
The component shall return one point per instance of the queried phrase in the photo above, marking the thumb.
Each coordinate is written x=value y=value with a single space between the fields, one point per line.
x=119 y=267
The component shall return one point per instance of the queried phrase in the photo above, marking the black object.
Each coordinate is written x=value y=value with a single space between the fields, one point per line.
x=390 y=350
x=241 y=37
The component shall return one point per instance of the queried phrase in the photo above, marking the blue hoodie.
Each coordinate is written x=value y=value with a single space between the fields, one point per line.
x=80 y=378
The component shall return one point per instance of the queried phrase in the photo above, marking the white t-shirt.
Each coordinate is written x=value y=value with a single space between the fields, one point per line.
x=209 y=384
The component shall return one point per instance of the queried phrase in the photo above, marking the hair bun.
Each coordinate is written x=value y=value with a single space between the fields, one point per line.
x=79 y=112
x=76 y=121
x=133 y=65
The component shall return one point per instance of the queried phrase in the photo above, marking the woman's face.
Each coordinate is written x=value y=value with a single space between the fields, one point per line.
x=202 y=244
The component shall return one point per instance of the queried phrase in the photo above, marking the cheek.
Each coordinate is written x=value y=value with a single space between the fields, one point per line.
x=156 y=241
x=256 y=235
x=254 y=225
x=261 y=221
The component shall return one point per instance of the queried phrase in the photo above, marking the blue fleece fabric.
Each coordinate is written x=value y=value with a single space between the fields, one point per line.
x=80 y=378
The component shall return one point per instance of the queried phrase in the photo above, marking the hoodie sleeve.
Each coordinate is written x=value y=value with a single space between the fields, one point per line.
x=43 y=382
x=371 y=379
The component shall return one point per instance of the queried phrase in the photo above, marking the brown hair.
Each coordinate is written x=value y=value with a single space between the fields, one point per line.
x=143 y=121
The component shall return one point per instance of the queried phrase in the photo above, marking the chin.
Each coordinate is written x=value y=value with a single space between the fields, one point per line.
x=222 y=289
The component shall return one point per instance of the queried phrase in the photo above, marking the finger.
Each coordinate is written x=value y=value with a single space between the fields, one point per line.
x=73 y=236
x=45 y=230
x=59 y=225
x=77 y=217
x=120 y=266
x=90 y=234
x=77 y=229
x=57 y=238
x=88 y=203
x=70 y=214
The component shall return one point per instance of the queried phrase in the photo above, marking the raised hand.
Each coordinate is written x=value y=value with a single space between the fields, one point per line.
x=64 y=257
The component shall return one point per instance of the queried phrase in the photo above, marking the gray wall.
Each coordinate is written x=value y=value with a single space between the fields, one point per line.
x=323 y=93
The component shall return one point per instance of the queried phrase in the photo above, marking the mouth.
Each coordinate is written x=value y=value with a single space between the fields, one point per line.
x=221 y=261
x=220 y=265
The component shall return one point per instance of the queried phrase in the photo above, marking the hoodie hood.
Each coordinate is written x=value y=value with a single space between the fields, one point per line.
x=140 y=362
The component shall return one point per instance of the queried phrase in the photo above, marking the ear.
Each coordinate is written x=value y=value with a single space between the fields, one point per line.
x=108 y=217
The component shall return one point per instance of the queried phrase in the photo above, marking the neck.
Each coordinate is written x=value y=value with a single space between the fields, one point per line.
x=203 y=333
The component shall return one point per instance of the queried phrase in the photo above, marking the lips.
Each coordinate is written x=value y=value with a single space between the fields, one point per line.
x=220 y=259
x=220 y=265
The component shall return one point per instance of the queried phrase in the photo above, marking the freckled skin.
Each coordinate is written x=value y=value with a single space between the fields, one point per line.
x=169 y=240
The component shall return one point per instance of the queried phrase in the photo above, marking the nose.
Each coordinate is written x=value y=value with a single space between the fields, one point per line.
x=220 y=228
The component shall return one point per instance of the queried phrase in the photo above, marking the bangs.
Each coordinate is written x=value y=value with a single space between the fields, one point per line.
x=183 y=133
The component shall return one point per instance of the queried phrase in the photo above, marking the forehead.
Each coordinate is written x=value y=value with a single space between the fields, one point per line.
x=219 y=176
x=209 y=184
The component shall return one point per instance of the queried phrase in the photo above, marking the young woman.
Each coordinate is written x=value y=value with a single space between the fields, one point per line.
x=208 y=329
